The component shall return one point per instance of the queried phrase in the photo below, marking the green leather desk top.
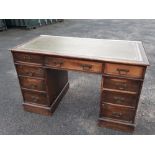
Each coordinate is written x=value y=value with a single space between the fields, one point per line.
x=98 y=49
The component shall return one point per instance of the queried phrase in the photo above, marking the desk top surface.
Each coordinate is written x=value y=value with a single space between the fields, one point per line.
x=87 y=48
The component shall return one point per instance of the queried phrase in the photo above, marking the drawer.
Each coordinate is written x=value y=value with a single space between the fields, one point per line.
x=79 y=65
x=30 y=71
x=121 y=84
x=119 y=98
x=31 y=83
x=124 y=70
x=117 y=112
x=29 y=58
x=35 y=97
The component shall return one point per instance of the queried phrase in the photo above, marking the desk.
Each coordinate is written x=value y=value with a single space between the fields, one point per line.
x=42 y=65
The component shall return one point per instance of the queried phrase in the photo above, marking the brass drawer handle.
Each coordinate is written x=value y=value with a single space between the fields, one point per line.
x=33 y=86
x=33 y=73
x=121 y=86
x=122 y=71
x=58 y=63
x=29 y=73
x=34 y=98
x=119 y=99
x=28 y=57
x=116 y=114
x=40 y=70
x=86 y=66
x=55 y=63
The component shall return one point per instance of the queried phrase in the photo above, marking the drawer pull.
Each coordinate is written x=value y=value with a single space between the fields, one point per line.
x=33 y=86
x=121 y=86
x=122 y=71
x=34 y=98
x=32 y=73
x=57 y=63
x=119 y=99
x=29 y=73
x=27 y=57
x=40 y=71
x=86 y=67
x=116 y=114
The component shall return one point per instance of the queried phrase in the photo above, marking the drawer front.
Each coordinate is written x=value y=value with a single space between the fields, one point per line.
x=79 y=65
x=35 y=97
x=121 y=84
x=31 y=83
x=117 y=112
x=30 y=71
x=124 y=70
x=30 y=58
x=119 y=98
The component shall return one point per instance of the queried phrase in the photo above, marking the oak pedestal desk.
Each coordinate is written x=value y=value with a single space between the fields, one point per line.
x=42 y=65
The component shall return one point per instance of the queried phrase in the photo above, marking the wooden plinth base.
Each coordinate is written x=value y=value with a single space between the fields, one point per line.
x=121 y=126
x=46 y=110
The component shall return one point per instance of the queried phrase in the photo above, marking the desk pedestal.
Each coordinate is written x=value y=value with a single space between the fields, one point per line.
x=56 y=87
x=46 y=110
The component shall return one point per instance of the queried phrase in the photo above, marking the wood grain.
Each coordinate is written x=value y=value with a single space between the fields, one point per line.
x=117 y=112
x=119 y=98
x=121 y=84
x=72 y=64
x=28 y=58
x=32 y=71
x=124 y=70
x=32 y=83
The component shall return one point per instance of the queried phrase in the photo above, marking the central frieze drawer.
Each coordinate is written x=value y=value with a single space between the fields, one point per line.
x=35 y=97
x=121 y=84
x=30 y=71
x=31 y=83
x=124 y=70
x=117 y=112
x=73 y=64
x=119 y=98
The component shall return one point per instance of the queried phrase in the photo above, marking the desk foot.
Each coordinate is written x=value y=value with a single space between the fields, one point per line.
x=43 y=110
x=116 y=125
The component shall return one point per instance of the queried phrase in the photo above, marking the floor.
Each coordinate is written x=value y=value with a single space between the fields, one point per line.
x=78 y=111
